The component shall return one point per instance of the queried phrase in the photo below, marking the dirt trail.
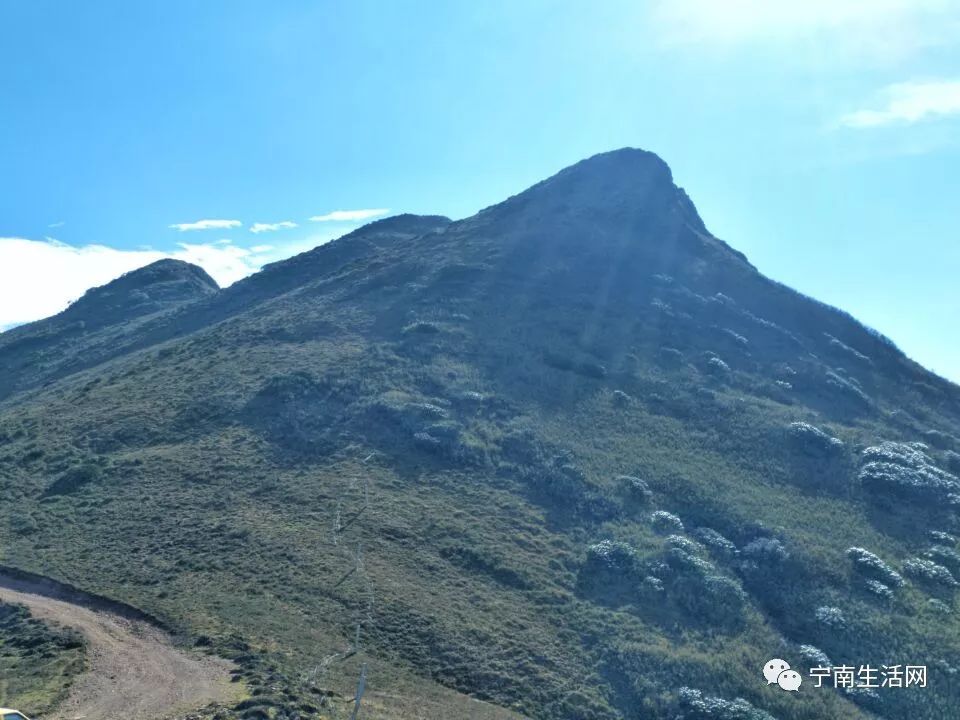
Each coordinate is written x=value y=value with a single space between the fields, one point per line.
x=134 y=672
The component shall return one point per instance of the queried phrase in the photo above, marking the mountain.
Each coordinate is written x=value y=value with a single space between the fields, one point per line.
x=41 y=351
x=573 y=457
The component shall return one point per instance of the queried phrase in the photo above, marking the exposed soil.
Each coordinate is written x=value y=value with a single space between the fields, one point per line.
x=134 y=671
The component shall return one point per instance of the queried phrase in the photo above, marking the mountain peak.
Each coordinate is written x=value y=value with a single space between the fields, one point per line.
x=164 y=271
x=627 y=163
x=623 y=184
x=146 y=289
x=25 y=351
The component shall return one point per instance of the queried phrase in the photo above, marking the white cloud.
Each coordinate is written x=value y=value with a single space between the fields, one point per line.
x=909 y=102
x=271 y=227
x=207 y=225
x=59 y=223
x=39 y=278
x=879 y=29
x=350 y=215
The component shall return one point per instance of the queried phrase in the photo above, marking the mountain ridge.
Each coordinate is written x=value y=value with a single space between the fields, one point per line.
x=623 y=162
x=572 y=456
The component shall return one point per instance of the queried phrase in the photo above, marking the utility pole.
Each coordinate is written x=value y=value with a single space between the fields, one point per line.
x=338 y=523
x=361 y=686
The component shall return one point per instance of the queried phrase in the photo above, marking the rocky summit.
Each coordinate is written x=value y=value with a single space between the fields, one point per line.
x=571 y=458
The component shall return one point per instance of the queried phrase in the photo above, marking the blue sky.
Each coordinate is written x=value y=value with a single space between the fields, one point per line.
x=821 y=138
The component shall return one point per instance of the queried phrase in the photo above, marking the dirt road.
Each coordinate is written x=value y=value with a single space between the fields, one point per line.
x=134 y=672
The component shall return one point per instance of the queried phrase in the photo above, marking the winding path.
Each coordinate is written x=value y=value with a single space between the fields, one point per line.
x=134 y=671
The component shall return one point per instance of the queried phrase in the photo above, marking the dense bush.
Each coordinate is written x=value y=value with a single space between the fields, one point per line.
x=716 y=366
x=651 y=584
x=879 y=589
x=683 y=561
x=694 y=705
x=905 y=470
x=565 y=484
x=635 y=489
x=682 y=543
x=815 y=656
x=942 y=538
x=612 y=554
x=871 y=566
x=696 y=586
x=765 y=551
x=665 y=522
x=814 y=441
x=831 y=617
x=427 y=441
x=718 y=545
x=415 y=412
x=929 y=572
x=609 y=572
x=724 y=592
x=948 y=557
x=737 y=337
x=849 y=387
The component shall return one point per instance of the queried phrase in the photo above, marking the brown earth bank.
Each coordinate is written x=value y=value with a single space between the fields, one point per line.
x=134 y=670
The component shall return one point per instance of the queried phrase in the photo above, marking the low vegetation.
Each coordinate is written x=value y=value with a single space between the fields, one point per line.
x=38 y=662
x=517 y=488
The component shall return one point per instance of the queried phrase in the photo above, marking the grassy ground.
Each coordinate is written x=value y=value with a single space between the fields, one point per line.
x=465 y=578
x=37 y=662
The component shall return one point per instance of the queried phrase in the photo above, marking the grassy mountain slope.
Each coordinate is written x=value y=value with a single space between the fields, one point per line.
x=572 y=456
x=37 y=661
x=104 y=318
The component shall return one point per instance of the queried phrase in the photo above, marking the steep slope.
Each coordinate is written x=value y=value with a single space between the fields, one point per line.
x=145 y=307
x=573 y=456
x=40 y=351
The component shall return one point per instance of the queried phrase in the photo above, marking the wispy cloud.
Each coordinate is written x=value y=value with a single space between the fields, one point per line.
x=909 y=102
x=271 y=227
x=207 y=225
x=39 y=278
x=350 y=215
x=876 y=29
x=58 y=224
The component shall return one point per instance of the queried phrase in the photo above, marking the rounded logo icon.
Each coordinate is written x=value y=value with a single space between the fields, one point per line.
x=773 y=668
x=789 y=680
